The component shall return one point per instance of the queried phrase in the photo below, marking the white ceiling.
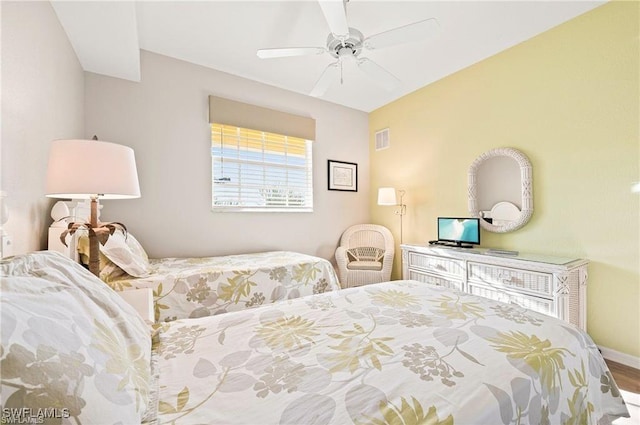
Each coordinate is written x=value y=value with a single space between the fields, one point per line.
x=225 y=35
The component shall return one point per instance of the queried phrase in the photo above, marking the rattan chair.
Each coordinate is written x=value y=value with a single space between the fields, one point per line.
x=365 y=255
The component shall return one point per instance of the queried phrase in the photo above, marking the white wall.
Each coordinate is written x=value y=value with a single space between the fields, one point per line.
x=164 y=118
x=42 y=100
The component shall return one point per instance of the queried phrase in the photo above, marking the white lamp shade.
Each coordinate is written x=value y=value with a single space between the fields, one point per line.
x=387 y=196
x=82 y=169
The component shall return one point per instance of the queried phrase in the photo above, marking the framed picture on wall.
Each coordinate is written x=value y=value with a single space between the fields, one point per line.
x=343 y=175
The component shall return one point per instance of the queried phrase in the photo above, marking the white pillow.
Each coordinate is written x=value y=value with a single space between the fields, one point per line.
x=127 y=253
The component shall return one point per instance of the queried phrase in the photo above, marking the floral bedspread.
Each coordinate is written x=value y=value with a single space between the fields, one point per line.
x=196 y=287
x=398 y=352
x=73 y=351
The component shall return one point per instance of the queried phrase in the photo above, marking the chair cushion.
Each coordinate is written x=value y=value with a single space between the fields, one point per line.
x=365 y=265
x=365 y=253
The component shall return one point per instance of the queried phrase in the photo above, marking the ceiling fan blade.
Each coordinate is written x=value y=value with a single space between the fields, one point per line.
x=329 y=75
x=289 y=51
x=418 y=31
x=336 y=15
x=378 y=74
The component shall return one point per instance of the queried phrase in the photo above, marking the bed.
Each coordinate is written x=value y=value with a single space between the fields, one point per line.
x=196 y=287
x=399 y=352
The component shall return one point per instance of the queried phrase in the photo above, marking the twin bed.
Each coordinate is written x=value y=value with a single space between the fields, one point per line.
x=399 y=352
x=195 y=287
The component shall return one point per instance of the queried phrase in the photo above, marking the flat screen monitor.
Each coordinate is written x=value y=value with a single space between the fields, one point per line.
x=459 y=230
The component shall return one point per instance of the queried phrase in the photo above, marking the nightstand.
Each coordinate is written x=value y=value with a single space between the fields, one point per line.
x=55 y=244
x=141 y=300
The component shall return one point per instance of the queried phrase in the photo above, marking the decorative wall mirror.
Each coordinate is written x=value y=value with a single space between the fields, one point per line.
x=501 y=190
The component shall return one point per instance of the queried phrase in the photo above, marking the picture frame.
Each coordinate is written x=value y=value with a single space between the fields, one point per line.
x=342 y=175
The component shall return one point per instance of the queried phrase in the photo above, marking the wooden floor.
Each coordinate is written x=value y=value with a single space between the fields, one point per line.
x=628 y=380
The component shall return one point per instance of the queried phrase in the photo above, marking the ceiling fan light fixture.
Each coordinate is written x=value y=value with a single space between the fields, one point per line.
x=346 y=53
x=353 y=42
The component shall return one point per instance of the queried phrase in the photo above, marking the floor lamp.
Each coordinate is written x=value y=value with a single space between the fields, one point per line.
x=91 y=169
x=387 y=196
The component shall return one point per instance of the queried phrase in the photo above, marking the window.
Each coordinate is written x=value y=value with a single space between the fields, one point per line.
x=254 y=170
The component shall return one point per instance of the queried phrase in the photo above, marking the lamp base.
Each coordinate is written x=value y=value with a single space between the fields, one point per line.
x=94 y=245
x=401 y=211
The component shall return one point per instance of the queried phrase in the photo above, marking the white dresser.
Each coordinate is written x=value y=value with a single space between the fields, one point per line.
x=555 y=286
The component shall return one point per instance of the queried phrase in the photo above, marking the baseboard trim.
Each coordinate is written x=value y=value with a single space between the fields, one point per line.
x=618 y=357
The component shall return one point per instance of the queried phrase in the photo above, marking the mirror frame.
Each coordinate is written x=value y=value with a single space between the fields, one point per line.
x=526 y=185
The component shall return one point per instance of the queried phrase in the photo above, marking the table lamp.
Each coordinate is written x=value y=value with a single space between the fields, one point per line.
x=91 y=169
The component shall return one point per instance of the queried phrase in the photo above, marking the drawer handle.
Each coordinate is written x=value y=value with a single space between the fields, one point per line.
x=510 y=280
x=504 y=279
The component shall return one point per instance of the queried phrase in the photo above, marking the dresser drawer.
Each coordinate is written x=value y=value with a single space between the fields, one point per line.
x=540 y=305
x=435 y=280
x=438 y=265
x=555 y=286
x=535 y=283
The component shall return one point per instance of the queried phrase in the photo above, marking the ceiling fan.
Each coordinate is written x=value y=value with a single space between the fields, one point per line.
x=346 y=44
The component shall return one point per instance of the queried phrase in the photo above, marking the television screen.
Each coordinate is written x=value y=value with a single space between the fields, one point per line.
x=459 y=230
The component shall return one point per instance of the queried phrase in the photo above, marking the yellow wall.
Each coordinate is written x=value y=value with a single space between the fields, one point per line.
x=569 y=99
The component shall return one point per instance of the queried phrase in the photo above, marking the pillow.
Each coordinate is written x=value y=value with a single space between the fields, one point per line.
x=365 y=253
x=121 y=251
x=127 y=253
x=108 y=270
x=71 y=343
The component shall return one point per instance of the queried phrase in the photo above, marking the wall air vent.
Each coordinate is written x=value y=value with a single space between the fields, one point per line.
x=382 y=139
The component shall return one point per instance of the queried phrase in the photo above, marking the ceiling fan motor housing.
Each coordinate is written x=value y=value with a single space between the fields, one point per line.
x=341 y=47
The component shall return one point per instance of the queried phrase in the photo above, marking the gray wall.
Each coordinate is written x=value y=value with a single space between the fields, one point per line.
x=164 y=118
x=42 y=100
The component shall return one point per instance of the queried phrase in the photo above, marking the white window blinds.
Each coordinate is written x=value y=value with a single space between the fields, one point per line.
x=255 y=170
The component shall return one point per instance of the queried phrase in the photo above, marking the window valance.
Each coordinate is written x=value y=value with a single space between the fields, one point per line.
x=244 y=115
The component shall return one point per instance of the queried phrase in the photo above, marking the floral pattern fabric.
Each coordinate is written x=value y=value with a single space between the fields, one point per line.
x=72 y=350
x=196 y=287
x=398 y=352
